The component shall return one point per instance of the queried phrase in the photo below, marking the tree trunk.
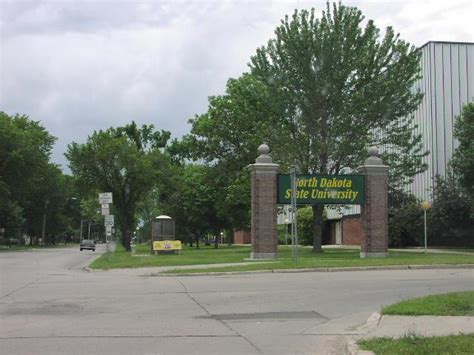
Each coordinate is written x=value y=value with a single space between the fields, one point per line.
x=126 y=238
x=216 y=242
x=197 y=241
x=317 y=228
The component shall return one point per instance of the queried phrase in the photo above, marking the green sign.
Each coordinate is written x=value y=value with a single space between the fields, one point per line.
x=323 y=189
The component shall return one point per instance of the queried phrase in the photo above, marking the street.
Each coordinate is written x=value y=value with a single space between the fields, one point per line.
x=50 y=305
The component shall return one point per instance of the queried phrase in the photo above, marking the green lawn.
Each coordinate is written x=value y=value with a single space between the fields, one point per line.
x=225 y=254
x=455 y=345
x=189 y=256
x=449 y=304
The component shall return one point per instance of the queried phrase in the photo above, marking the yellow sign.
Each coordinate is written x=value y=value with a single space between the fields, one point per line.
x=167 y=245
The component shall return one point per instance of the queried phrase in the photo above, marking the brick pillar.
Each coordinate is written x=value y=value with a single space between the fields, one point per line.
x=374 y=213
x=264 y=231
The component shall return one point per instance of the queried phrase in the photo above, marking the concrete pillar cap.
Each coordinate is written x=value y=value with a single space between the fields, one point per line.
x=264 y=156
x=263 y=149
x=373 y=151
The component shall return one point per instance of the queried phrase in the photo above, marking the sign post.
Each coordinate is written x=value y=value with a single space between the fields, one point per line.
x=105 y=199
x=294 y=225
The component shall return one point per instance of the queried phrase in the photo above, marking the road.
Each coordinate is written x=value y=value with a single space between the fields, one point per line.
x=50 y=305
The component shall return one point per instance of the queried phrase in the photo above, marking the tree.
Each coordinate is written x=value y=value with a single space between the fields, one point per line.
x=342 y=89
x=320 y=93
x=25 y=148
x=192 y=202
x=124 y=161
x=47 y=208
x=463 y=159
x=450 y=221
x=226 y=137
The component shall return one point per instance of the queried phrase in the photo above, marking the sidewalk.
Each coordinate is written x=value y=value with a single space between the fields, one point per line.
x=400 y=326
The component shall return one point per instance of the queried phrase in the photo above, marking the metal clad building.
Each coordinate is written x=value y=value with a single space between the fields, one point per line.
x=448 y=84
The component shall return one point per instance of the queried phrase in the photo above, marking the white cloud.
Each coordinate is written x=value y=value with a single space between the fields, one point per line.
x=82 y=66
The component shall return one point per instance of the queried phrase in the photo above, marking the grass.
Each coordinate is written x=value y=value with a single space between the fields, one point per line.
x=189 y=256
x=449 y=304
x=225 y=254
x=455 y=344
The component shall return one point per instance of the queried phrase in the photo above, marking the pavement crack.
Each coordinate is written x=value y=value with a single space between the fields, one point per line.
x=19 y=288
x=219 y=320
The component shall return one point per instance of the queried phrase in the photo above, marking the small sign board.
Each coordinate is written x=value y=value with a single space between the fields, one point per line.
x=108 y=232
x=105 y=211
x=105 y=197
x=109 y=220
x=323 y=189
x=163 y=245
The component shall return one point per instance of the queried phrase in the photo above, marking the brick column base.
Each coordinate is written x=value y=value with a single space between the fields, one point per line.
x=374 y=213
x=264 y=231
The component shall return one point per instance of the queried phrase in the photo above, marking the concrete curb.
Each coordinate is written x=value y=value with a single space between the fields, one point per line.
x=395 y=327
x=351 y=345
x=323 y=269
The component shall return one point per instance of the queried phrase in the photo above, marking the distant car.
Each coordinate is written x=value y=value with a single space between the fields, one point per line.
x=87 y=244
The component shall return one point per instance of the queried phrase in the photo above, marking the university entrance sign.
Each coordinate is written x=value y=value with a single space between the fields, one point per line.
x=323 y=189
x=369 y=190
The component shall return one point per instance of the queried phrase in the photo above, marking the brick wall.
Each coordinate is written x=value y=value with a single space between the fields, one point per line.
x=352 y=232
x=242 y=237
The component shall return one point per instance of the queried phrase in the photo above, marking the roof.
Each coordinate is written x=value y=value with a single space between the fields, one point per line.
x=446 y=42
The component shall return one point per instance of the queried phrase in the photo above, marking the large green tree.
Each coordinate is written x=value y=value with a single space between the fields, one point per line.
x=321 y=92
x=25 y=149
x=226 y=137
x=124 y=161
x=463 y=159
x=343 y=88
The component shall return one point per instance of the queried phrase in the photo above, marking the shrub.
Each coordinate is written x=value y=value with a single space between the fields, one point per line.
x=450 y=222
x=405 y=226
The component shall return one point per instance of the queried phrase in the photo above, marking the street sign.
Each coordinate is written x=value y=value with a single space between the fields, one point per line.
x=105 y=211
x=108 y=233
x=109 y=220
x=105 y=197
x=108 y=229
x=104 y=205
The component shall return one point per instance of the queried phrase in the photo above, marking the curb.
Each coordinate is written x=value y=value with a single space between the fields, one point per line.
x=352 y=348
x=322 y=269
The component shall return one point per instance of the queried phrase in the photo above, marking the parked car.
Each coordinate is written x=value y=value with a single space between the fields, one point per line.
x=87 y=244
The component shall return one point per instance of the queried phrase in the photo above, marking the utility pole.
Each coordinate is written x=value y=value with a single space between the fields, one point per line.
x=43 y=232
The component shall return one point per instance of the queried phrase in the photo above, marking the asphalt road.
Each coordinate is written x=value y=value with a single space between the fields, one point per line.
x=50 y=305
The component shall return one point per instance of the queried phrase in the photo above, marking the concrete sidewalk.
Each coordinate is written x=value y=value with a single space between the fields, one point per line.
x=400 y=326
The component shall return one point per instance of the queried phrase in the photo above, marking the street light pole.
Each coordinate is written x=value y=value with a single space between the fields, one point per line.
x=43 y=232
x=80 y=236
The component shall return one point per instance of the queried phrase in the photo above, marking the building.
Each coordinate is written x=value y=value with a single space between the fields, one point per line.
x=447 y=81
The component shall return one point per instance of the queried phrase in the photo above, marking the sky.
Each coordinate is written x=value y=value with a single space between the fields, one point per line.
x=80 y=66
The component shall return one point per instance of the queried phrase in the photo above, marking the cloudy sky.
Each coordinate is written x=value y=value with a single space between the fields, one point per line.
x=80 y=66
